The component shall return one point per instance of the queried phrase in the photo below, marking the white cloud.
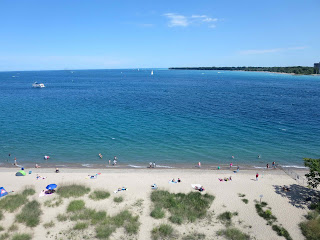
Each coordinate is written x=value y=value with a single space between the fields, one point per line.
x=274 y=50
x=176 y=20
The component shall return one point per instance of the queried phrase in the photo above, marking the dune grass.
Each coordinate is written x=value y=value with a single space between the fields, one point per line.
x=62 y=217
x=75 y=206
x=11 y=203
x=4 y=236
x=21 y=236
x=13 y=228
x=30 y=214
x=164 y=231
x=72 y=190
x=233 y=234
x=281 y=231
x=118 y=199
x=49 y=224
x=99 y=195
x=241 y=195
x=56 y=202
x=226 y=217
x=81 y=226
x=183 y=207
x=1 y=215
x=157 y=213
x=1 y=228
x=194 y=236
x=29 y=191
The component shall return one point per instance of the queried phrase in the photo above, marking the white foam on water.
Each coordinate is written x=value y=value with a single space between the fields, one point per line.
x=135 y=166
x=293 y=166
x=160 y=166
x=259 y=167
x=86 y=165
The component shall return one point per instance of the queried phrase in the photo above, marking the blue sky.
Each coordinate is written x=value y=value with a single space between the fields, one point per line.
x=95 y=34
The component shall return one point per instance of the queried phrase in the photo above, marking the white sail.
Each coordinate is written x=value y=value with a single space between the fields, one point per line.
x=152 y=72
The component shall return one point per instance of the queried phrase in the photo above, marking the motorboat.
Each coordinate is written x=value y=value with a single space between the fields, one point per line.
x=38 y=85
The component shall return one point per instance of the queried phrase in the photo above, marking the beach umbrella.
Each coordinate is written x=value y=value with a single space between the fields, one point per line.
x=3 y=192
x=51 y=186
x=21 y=173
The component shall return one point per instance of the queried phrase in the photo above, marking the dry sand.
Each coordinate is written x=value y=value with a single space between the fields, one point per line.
x=288 y=207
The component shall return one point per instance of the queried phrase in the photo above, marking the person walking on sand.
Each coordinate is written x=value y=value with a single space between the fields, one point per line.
x=257 y=176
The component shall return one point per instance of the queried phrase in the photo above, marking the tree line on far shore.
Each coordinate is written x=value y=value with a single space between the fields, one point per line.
x=294 y=70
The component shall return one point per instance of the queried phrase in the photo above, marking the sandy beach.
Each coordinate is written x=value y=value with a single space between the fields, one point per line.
x=289 y=207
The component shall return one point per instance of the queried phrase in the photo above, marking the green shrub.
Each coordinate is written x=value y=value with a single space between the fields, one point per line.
x=267 y=215
x=233 y=234
x=1 y=215
x=104 y=231
x=30 y=214
x=53 y=202
x=1 y=228
x=241 y=195
x=315 y=206
x=281 y=232
x=21 y=236
x=157 y=213
x=118 y=199
x=311 y=229
x=99 y=195
x=75 y=205
x=12 y=202
x=164 y=231
x=182 y=206
x=29 y=191
x=13 y=228
x=81 y=226
x=73 y=190
x=245 y=200
x=49 y=224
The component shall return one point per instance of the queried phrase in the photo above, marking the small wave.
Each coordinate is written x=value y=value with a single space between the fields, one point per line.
x=86 y=165
x=113 y=138
x=283 y=129
x=293 y=166
x=135 y=166
x=258 y=167
x=60 y=165
x=160 y=166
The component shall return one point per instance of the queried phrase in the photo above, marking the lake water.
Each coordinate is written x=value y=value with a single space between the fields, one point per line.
x=172 y=117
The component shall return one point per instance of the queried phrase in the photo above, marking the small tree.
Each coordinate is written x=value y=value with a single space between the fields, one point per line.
x=314 y=175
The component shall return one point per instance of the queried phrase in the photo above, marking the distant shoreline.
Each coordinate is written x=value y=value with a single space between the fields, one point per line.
x=298 y=70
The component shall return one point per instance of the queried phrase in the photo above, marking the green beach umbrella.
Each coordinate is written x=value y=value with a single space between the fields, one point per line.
x=21 y=173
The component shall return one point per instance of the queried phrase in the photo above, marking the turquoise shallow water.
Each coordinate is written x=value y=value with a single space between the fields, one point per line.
x=172 y=117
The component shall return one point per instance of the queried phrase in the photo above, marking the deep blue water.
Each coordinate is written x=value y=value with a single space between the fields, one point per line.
x=170 y=117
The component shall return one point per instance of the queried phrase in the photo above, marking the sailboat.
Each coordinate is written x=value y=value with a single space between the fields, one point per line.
x=151 y=72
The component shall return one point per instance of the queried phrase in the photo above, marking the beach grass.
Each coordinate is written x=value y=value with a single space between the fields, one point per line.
x=226 y=217
x=56 y=202
x=30 y=214
x=118 y=199
x=182 y=206
x=241 y=195
x=76 y=205
x=266 y=214
x=21 y=236
x=62 y=217
x=233 y=234
x=99 y=195
x=104 y=231
x=1 y=228
x=49 y=224
x=164 y=231
x=29 y=191
x=73 y=190
x=194 y=236
x=4 y=236
x=1 y=215
x=157 y=213
x=81 y=226
x=11 y=203
x=13 y=228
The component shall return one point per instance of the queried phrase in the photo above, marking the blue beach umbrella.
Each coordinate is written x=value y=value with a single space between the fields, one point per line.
x=51 y=186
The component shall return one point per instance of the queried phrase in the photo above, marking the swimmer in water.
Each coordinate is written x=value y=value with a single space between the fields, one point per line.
x=100 y=155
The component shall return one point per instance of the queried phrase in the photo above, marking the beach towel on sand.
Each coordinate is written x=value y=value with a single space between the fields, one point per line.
x=194 y=186
x=120 y=189
x=173 y=182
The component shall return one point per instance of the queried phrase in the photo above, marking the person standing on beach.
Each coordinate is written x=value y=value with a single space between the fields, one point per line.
x=199 y=164
x=273 y=164
x=154 y=164
x=150 y=164
x=231 y=165
x=267 y=165
x=15 y=162
x=257 y=176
